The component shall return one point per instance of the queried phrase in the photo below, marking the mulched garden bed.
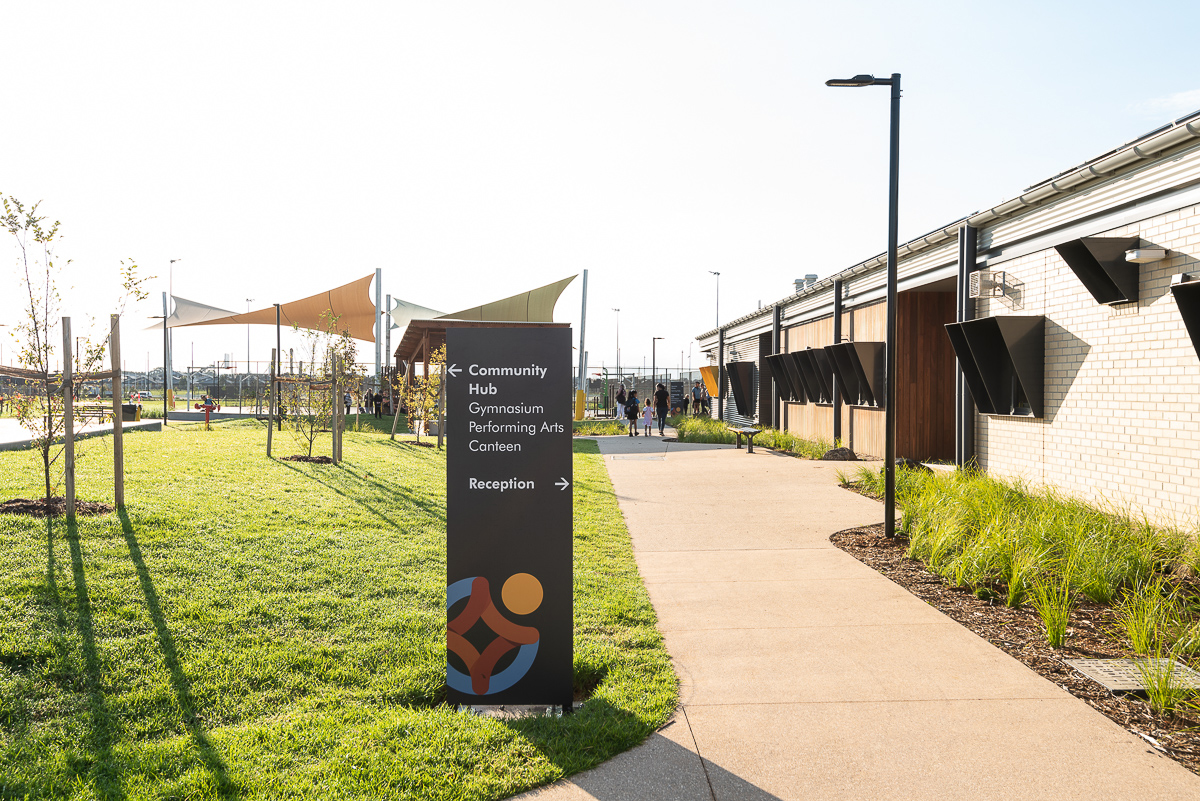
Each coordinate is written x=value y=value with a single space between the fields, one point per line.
x=1019 y=633
x=309 y=459
x=58 y=507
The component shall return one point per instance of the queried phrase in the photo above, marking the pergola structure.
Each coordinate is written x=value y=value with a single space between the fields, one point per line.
x=423 y=337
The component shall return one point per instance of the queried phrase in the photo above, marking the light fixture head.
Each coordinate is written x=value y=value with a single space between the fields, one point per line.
x=857 y=80
x=1145 y=255
x=714 y=272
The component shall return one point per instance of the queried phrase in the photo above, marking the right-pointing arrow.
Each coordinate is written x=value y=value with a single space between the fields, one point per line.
x=562 y=484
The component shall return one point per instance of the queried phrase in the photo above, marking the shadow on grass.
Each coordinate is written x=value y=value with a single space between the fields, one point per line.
x=103 y=767
x=657 y=764
x=346 y=482
x=180 y=683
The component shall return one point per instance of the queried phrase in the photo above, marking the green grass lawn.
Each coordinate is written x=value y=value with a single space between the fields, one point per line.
x=251 y=628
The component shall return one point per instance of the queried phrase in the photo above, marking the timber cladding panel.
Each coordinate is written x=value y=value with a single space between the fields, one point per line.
x=924 y=376
x=808 y=420
x=924 y=386
x=863 y=429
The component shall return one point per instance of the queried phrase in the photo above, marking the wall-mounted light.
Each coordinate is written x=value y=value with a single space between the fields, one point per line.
x=1145 y=255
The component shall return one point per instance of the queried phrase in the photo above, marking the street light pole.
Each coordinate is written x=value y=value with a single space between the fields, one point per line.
x=241 y=392
x=889 y=444
x=618 y=311
x=168 y=340
x=278 y=389
x=718 y=275
x=654 y=361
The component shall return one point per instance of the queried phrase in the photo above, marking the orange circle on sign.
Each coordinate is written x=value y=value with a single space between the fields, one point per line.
x=522 y=593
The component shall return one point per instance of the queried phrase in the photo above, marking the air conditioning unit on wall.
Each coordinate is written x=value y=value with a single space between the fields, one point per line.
x=987 y=284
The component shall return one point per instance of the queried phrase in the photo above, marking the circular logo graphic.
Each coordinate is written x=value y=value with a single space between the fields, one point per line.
x=521 y=594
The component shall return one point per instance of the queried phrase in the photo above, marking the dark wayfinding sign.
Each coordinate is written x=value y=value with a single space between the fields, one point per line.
x=508 y=516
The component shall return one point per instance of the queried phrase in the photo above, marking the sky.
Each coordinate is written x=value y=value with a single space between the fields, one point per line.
x=472 y=150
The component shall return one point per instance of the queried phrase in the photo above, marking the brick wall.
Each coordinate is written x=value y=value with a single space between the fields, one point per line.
x=1122 y=396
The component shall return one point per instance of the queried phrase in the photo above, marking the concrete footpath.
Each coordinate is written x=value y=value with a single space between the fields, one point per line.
x=806 y=675
x=14 y=437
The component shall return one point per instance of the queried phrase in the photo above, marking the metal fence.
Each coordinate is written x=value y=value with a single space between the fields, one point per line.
x=601 y=389
x=237 y=385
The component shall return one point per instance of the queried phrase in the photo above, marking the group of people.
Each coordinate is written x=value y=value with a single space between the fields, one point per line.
x=374 y=402
x=656 y=407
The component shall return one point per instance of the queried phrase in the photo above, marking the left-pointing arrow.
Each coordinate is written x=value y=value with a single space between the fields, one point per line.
x=453 y=370
x=562 y=484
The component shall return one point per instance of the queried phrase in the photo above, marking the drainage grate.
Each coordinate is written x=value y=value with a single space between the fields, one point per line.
x=1122 y=675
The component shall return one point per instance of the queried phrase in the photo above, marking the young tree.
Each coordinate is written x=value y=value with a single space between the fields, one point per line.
x=420 y=395
x=40 y=408
x=309 y=396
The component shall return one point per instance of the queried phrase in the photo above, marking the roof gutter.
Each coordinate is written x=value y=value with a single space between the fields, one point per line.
x=1184 y=131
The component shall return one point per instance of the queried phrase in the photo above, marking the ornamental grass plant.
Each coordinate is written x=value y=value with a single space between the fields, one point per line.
x=1051 y=596
x=1149 y=616
x=712 y=431
x=599 y=428
x=1165 y=693
x=1039 y=546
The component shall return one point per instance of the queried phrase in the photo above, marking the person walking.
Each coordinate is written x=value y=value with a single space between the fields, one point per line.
x=662 y=405
x=347 y=400
x=377 y=402
x=647 y=416
x=621 y=400
x=697 y=398
x=631 y=412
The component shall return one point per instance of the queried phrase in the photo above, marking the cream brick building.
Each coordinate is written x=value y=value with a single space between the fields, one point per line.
x=1119 y=416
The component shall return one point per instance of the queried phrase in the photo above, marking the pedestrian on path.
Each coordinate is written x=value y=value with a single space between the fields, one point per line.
x=647 y=417
x=632 y=411
x=662 y=405
x=621 y=400
x=348 y=400
x=697 y=398
x=377 y=402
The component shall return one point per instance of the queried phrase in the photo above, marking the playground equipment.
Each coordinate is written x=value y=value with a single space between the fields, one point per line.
x=208 y=405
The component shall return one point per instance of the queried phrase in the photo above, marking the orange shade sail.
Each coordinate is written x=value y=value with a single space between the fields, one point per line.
x=350 y=303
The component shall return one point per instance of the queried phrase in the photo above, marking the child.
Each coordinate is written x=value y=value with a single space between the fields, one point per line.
x=632 y=409
x=648 y=416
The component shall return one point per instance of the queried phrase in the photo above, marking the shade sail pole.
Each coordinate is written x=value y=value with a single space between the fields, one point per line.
x=378 y=325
